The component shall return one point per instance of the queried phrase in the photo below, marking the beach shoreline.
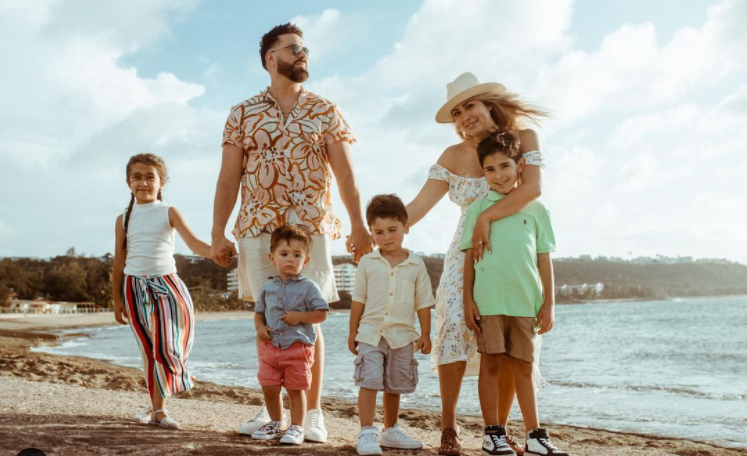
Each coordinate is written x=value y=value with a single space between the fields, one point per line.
x=78 y=405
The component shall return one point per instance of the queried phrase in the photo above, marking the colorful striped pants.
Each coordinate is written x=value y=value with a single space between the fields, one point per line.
x=162 y=318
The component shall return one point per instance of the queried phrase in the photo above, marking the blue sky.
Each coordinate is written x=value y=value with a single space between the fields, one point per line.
x=645 y=153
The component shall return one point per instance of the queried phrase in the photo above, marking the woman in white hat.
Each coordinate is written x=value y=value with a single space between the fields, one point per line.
x=475 y=109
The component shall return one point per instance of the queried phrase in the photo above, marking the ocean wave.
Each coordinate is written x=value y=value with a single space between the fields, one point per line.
x=653 y=388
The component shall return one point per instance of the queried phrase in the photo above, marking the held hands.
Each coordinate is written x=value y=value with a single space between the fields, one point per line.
x=424 y=344
x=120 y=312
x=481 y=238
x=263 y=332
x=352 y=344
x=546 y=318
x=293 y=318
x=358 y=243
x=472 y=315
x=222 y=251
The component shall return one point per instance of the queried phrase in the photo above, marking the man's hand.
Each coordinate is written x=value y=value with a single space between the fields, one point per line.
x=120 y=312
x=293 y=318
x=546 y=318
x=222 y=251
x=424 y=344
x=359 y=243
x=352 y=344
x=472 y=315
x=263 y=332
x=481 y=238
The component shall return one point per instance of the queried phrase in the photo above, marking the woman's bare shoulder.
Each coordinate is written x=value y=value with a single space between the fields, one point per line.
x=449 y=159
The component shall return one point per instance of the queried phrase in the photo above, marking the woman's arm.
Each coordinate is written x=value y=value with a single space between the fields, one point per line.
x=195 y=245
x=529 y=190
x=120 y=311
x=429 y=195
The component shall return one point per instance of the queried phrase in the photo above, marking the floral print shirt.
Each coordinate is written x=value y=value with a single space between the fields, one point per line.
x=285 y=162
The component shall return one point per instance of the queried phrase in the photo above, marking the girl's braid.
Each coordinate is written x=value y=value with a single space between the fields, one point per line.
x=127 y=217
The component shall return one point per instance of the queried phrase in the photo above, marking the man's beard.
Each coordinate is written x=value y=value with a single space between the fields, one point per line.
x=292 y=72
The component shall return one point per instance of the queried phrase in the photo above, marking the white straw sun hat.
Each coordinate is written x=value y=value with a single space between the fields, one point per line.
x=464 y=87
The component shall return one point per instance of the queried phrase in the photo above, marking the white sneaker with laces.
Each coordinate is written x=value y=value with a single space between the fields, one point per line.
x=271 y=430
x=539 y=444
x=368 y=442
x=396 y=437
x=293 y=436
x=259 y=420
x=313 y=426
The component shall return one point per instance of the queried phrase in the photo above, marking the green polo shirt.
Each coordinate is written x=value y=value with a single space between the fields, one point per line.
x=507 y=280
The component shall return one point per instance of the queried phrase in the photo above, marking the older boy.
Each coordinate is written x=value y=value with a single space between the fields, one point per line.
x=508 y=294
x=391 y=287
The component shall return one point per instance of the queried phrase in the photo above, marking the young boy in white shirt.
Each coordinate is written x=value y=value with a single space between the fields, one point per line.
x=391 y=287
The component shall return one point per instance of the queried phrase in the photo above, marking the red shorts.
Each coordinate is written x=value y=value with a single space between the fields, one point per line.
x=290 y=368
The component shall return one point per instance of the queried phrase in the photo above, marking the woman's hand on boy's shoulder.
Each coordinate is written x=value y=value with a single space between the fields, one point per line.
x=546 y=318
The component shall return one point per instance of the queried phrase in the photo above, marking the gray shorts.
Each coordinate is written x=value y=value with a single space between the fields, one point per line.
x=382 y=368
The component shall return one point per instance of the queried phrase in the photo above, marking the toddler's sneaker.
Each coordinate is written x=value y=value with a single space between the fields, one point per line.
x=395 y=437
x=539 y=444
x=313 y=426
x=368 y=442
x=293 y=436
x=271 y=430
x=259 y=420
x=494 y=442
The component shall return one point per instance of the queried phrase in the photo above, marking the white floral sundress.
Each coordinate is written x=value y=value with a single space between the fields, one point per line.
x=454 y=341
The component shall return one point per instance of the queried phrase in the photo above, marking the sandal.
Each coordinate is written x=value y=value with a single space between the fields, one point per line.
x=142 y=418
x=166 y=422
x=450 y=444
x=515 y=445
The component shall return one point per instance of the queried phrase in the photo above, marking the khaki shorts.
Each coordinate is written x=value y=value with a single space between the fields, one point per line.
x=514 y=336
x=384 y=368
x=255 y=266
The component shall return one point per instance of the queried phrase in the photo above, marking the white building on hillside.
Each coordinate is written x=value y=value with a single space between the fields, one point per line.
x=345 y=277
x=233 y=280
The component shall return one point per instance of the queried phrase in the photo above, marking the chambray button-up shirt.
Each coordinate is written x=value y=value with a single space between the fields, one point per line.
x=391 y=296
x=295 y=294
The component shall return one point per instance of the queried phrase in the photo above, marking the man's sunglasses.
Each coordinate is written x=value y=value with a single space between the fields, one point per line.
x=295 y=49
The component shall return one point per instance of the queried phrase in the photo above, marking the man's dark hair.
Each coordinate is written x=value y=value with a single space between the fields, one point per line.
x=505 y=142
x=386 y=206
x=270 y=38
x=290 y=232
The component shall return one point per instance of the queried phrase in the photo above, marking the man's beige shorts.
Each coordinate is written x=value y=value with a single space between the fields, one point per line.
x=514 y=336
x=255 y=266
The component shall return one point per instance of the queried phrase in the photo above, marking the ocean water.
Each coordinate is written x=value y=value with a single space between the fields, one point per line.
x=675 y=368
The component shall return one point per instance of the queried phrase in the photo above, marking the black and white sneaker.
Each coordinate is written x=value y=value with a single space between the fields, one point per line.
x=539 y=444
x=494 y=442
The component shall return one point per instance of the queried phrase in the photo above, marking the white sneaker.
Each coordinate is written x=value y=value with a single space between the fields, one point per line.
x=271 y=430
x=395 y=437
x=259 y=420
x=313 y=426
x=539 y=444
x=293 y=436
x=368 y=442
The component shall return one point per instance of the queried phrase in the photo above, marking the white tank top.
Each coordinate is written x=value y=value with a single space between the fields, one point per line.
x=150 y=241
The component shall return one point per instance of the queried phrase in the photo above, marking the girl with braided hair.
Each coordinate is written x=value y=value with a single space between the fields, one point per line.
x=146 y=290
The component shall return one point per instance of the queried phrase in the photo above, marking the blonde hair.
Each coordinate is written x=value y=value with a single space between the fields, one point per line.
x=508 y=111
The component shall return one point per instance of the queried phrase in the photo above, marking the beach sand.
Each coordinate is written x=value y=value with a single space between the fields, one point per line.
x=67 y=405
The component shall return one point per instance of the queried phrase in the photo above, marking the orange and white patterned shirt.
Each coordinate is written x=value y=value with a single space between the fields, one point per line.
x=285 y=162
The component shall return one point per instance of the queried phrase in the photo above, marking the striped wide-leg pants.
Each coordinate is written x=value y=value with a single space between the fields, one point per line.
x=161 y=316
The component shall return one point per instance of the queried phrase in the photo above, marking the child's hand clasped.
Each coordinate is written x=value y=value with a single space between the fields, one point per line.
x=293 y=318
x=263 y=332
x=472 y=315
x=424 y=344
x=546 y=318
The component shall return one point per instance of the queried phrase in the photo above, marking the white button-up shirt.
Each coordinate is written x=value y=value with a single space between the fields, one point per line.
x=391 y=296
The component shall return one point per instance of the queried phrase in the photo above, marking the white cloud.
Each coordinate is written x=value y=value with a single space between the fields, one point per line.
x=326 y=33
